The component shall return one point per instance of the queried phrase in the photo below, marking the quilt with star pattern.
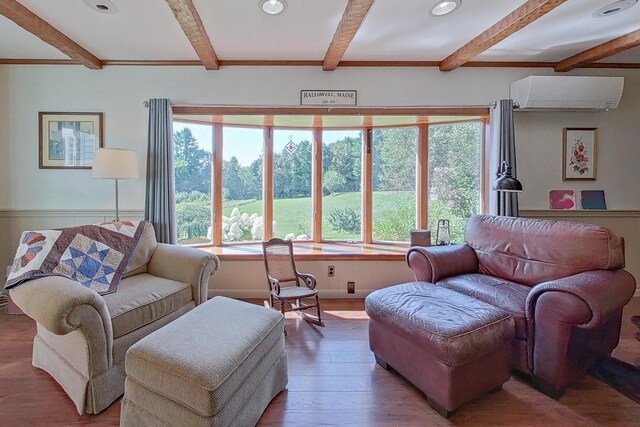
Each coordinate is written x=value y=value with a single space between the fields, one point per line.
x=93 y=255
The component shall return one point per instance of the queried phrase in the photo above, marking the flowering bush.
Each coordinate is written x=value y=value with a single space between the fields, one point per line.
x=242 y=227
x=292 y=236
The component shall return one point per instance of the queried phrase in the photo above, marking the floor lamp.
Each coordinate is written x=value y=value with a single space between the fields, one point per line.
x=110 y=163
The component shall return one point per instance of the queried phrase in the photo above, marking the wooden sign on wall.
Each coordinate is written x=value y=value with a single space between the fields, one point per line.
x=328 y=97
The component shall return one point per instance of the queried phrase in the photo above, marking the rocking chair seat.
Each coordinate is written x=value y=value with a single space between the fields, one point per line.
x=295 y=292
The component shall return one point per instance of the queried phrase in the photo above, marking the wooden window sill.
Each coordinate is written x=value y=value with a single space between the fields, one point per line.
x=335 y=251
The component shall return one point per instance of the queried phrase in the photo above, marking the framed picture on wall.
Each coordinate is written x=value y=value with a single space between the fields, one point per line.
x=69 y=140
x=580 y=152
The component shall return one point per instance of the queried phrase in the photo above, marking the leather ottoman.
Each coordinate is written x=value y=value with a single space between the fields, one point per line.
x=453 y=347
x=218 y=365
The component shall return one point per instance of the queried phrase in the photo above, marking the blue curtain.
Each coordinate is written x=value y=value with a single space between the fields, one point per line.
x=160 y=206
x=502 y=147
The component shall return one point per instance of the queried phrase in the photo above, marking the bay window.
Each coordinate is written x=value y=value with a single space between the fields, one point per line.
x=356 y=178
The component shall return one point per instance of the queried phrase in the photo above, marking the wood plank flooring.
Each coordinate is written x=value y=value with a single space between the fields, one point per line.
x=333 y=381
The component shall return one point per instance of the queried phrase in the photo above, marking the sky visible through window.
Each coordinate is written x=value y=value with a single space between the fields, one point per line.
x=204 y=135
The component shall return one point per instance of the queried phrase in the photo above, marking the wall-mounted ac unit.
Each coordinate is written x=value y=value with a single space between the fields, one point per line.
x=567 y=93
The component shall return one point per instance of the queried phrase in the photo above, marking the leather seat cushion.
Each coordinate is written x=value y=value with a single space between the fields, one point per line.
x=142 y=299
x=509 y=296
x=449 y=326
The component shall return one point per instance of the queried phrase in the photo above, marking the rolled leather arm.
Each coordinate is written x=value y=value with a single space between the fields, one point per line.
x=433 y=263
x=605 y=292
x=186 y=265
x=585 y=300
x=61 y=306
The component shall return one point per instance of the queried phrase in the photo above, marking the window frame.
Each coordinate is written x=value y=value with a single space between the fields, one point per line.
x=422 y=162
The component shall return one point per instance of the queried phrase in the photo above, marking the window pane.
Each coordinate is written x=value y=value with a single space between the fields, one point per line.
x=192 y=160
x=292 y=206
x=454 y=175
x=394 y=183
x=242 y=184
x=341 y=184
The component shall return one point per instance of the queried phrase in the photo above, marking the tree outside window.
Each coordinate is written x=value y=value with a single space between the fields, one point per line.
x=192 y=157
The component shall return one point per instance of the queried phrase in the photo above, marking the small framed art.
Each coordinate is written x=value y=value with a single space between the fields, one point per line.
x=562 y=199
x=579 y=154
x=593 y=199
x=69 y=140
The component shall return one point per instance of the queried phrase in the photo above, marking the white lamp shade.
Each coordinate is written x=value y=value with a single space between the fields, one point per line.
x=115 y=164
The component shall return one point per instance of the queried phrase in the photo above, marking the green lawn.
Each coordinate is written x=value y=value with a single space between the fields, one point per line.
x=393 y=216
x=294 y=215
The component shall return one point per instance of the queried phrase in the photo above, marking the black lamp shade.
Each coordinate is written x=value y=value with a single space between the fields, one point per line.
x=506 y=182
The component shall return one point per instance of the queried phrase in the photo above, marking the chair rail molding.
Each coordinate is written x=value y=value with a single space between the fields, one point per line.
x=68 y=213
x=579 y=213
x=14 y=221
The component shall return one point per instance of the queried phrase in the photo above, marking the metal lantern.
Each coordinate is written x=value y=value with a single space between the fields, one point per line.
x=443 y=237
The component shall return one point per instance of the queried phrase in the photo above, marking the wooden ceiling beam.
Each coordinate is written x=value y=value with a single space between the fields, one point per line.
x=352 y=18
x=601 y=51
x=188 y=18
x=37 y=26
x=515 y=21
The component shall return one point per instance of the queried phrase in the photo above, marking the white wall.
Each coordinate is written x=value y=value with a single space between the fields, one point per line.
x=120 y=91
x=539 y=151
x=246 y=279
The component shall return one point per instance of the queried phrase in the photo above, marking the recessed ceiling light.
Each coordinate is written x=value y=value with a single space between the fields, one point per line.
x=444 y=7
x=102 y=6
x=613 y=8
x=273 y=7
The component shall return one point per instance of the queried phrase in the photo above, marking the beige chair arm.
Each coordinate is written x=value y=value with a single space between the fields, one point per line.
x=186 y=265
x=61 y=306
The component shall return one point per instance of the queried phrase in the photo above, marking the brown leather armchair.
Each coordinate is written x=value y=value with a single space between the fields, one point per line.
x=562 y=282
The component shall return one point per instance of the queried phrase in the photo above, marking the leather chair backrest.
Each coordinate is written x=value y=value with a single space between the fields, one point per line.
x=532 y=251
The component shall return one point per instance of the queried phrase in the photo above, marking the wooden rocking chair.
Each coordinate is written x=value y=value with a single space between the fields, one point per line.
x=281 y=268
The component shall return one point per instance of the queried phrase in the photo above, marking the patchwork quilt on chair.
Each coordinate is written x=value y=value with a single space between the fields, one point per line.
x=92 y=255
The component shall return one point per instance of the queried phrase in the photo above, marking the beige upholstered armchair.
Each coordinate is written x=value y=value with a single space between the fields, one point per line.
x=82 y=337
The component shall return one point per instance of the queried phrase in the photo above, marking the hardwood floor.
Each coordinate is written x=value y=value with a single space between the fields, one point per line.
x=333 y=380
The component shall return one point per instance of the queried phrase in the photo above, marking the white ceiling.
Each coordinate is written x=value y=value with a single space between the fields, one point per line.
x=403 y=29
x=567 y=30
x=394 y=30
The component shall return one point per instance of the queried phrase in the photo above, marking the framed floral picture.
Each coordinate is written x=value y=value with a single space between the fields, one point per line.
x=580 y=154
x=69 y=140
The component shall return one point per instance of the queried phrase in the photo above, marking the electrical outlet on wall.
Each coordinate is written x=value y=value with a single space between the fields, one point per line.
x=351 y=287
x=331 y=270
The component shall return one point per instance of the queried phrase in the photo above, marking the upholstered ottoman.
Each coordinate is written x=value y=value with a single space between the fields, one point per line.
x=218 y=365
x=451 y=346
